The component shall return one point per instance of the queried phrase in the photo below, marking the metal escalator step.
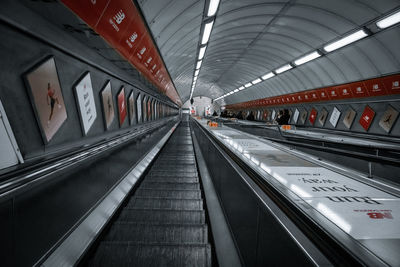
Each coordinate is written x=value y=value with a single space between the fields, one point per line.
x=165 y=203
x=132 y=254
x=187 y=158
x=160 y=216
x=169 y=185
x=158 y=233
x=161 y=193
x=175 y=163
x=170 y=174
x=172 y=179
x=173 y=169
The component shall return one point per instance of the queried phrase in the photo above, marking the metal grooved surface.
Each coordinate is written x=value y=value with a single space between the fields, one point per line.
x=163 y=223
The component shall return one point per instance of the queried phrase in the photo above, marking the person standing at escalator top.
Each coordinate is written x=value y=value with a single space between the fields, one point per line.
x=283 y=117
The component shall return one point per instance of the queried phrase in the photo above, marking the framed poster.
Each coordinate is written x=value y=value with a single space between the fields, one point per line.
x=139 y=108
x=322 y=117
x=349 y=118
x=144 y=106
x=296 y=116
x=388 y=119
x=273 y=115
x=121 y=106
x=149 y=110
x=333 y=120
x=313 y=116
x=46 y=96
x=132 y=113
x=303 y=116
x=85 y=99
x=367 y=117
x=108 y=105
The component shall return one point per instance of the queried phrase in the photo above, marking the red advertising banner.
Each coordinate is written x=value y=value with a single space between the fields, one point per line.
x=367 y=117
x=121 y=106
x=313 y=116
x=89 y=10
x=388 y=85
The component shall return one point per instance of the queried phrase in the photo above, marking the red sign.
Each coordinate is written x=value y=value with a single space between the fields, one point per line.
x=313 y=116
x=367 y=117
x=90 y=11
x=323 y=95
x=359 y=89
x=375 y=87
x=392 y=83
x=344 y=91
x=121 y=106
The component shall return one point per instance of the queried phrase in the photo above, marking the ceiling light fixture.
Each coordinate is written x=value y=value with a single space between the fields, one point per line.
x=247 y=85
x=236 y=90
x=307 y=58
x=207 y=32
x=258 y=80
x=202 y=51
x=199 y=64
x=212 y=7
x=283 y=68
x=196 y=72
x=241 y=88
x=346 y=40
x=389 y=21
x=268 y=76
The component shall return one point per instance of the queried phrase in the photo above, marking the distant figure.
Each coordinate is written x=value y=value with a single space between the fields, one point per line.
x=215 y=113
x=283 y=117
x=251 y=116
x=239 y=116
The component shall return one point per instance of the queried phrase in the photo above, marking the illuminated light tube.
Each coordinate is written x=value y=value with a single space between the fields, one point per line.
x=236 y=90
x=212 y=8
x=389 y=21
x=358 y=35
x=268 y=76
x=207 y=32
x=307 y=58
x=241 y=88
x=202 y=51
x=258 y=80
x=199 y=64
x=283 y=68
x=247 y=85
x=196 y=72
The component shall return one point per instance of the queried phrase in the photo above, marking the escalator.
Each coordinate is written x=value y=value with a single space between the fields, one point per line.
x=163 y=222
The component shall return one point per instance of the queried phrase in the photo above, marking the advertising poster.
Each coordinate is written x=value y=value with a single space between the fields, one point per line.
x=367 y=117
x=149 y=110
x=46 y=98
x=85 y=99
x=303 y=116
x=108 y=105
x=121 y=106
x=322 y=117
x=144 y=112
x=139 y=108
x=333 y=120
x=296 y=116
x=273 y=115
x=388 y=119
x=132 y=113
x=349 y=118
x=313 y=116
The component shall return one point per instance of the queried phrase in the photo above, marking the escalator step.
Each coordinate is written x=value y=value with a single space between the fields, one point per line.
x=172 y=179
x=169 y=186
x=173 y=169
x=167 y=204
x=160 y=234
x=162 y=216
x=160 y=193
x=132 y=254
x=177 y=174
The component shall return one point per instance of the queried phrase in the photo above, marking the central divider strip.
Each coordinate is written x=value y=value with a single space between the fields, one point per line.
x=74 y=246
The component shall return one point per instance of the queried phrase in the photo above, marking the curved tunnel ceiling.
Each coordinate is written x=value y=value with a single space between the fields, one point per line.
x=253 y=37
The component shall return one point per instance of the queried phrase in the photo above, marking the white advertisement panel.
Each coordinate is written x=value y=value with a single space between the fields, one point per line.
x=334 y=117
x=85 y=99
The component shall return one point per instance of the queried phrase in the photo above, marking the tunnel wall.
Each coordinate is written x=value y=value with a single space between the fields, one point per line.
x=28 y=40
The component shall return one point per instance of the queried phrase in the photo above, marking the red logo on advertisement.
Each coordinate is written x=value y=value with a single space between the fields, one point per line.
x=313 y=116
x=367 y=117
x=379 y=215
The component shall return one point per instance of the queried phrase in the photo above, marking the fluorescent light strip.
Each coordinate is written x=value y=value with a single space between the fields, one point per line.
x=247 y=85
x=202 y=51
x=258 y=80
x=212 y=7
x=196 y=72
x=199 y=64
x=241 y=88
x=236 y=90
x=268 y=76
x=307 y=58
x=389 y=21
x=346 y=41
x=283 y=68
x=207 y=32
